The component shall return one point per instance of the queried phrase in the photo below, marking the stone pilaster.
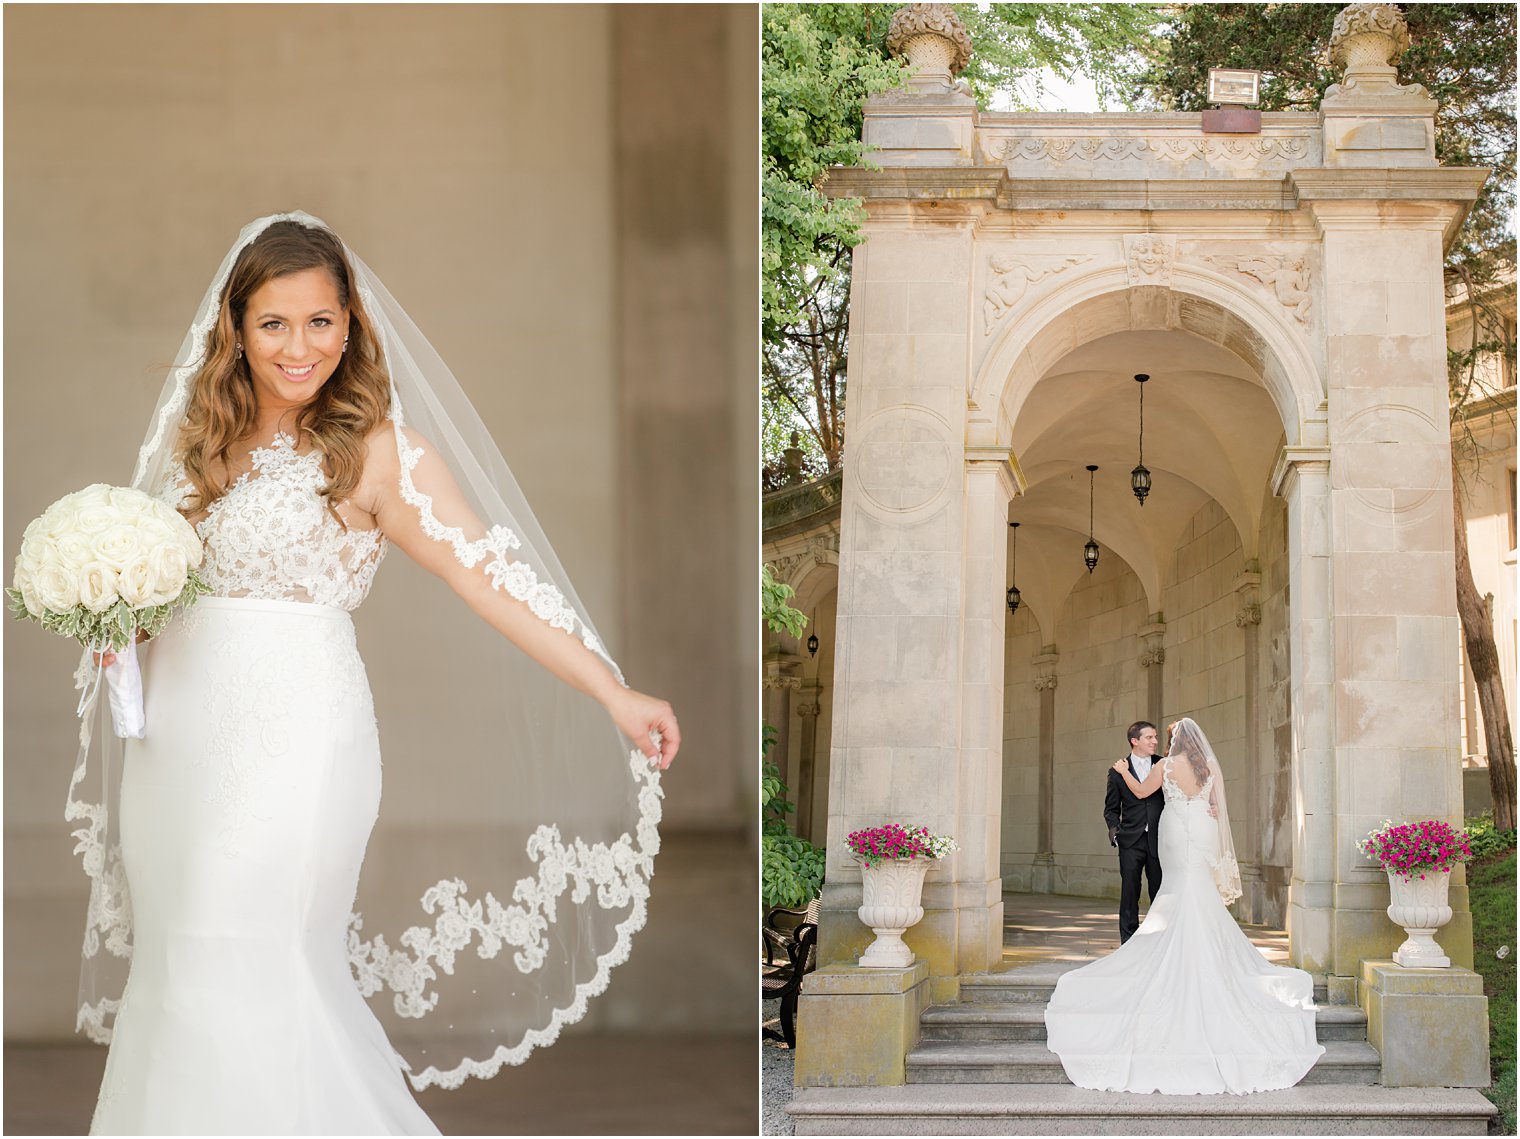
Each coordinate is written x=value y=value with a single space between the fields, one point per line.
x=808 y=708
x=1152 y=656
x=1045 y=684
x=1302 y=477
x=1248 y=619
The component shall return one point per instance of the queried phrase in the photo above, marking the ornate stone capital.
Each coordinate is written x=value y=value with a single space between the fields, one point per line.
x=794 y=683
x=1149 y=258
x=1043 y=683
x=1045 y=671
x=1152 y=651
x=809 y=710
x=1152 y=654
x=1248 y=614
x=931 y=36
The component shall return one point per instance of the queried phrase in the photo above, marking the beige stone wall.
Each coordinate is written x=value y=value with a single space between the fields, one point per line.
x=471 y=154
x=1101 y=692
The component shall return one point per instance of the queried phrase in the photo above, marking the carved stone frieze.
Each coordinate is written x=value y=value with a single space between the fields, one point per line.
x=1288 y=148
x=792 y=683
x=822 y=550
x=1011 y=274
x=1149 y=258
x=1287 y=276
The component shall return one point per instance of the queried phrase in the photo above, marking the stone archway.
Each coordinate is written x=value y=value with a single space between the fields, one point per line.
x=999 y=245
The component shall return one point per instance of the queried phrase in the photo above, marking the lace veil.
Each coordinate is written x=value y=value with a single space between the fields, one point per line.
x=1190 y=746
x=511 y=863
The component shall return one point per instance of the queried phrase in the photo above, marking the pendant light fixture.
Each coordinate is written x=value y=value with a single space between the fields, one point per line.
x=1013 y=590
x=1090 y=551
x=1140 y=478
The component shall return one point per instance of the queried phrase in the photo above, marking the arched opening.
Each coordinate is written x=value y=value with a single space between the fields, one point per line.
x=1186 y=612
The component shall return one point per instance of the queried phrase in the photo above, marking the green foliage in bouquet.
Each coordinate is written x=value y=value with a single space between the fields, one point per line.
x=115 y=627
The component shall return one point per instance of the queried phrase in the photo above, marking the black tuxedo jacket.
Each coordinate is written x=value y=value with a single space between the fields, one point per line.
x=1129 y=814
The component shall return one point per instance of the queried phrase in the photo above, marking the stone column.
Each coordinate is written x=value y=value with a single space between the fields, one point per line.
x=779 y=682
x=1302 y=477
x=1152 y=657
x=1384 y=211
x=807 y=714
x=1248 y=620
x=1043 y=881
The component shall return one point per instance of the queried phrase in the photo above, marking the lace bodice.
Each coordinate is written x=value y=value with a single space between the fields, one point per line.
x=1174 y=793
x=271 y=535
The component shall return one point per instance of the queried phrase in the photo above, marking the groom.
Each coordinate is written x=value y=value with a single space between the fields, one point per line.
x=1132 y=827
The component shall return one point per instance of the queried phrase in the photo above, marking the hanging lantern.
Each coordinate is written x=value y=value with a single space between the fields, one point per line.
x=812 y=643
x=1090 y=551
x=1140 y=477
x=1013 y=590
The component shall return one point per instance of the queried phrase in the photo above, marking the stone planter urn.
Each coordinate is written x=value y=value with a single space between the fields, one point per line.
x=891 y=903
x=1419 y=905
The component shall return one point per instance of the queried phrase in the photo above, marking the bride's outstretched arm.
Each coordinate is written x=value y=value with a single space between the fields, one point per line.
x=635 y=714
x=1140 y=790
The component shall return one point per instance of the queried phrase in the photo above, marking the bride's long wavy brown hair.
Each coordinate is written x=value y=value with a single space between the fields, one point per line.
x=223 y=411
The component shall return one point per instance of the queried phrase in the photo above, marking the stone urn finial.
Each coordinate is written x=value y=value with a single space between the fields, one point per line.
x=1368 y=38
x=933 y=39
x=1367 y=41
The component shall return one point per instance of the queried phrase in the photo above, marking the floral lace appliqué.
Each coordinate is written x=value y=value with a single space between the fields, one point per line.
x=271 y=535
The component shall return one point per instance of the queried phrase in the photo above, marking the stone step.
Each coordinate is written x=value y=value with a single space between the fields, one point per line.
x=1051 y=1109
x=1025 y=1020
x=1030 y=1062
x=1033 y=985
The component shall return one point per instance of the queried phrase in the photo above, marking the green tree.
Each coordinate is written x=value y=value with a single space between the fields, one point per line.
x=818 y=63
x=1464 y=55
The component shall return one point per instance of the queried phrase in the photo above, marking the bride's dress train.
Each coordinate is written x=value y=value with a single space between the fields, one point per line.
x=1188 y=1004
x=244 y=818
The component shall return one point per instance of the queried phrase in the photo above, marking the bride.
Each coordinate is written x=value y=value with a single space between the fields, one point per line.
x=224 y=848
x=1186 y=1005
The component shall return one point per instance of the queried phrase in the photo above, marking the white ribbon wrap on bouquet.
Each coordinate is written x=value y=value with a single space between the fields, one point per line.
x=124 y=689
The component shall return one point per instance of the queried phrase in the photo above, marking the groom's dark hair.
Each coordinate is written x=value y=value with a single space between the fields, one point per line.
x=1137 y=727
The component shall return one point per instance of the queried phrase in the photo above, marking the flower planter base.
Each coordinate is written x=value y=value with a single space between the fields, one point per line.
x=1420 y=906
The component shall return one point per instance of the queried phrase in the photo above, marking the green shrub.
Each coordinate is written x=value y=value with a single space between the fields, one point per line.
x=1484 y=838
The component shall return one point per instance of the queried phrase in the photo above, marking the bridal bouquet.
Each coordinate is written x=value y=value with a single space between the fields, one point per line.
x=101 y=564
x=893 y=842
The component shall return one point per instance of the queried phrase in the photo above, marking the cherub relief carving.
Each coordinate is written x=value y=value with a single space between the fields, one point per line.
x=1011 y=276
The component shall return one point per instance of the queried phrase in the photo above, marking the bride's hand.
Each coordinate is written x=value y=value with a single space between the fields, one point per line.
x=1121 y=766
x=108 y=658
x=636 y=715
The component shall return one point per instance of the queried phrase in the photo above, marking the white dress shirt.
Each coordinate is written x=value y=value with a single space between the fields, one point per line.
x=1142 y=765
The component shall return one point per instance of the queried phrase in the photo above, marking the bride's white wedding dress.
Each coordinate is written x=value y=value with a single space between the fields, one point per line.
x=1188 y=1004
x=244 y=817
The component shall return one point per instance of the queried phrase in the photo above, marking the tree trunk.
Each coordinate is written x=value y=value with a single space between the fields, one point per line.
x=1483 y=658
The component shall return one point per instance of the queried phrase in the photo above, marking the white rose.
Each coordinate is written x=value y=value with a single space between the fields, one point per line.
x=34 y=548
x=74 y=549
x=28 y=590
x=169 y=569
x=55 y=586
x=97 y=587
x=135 y=583
x=117 y=547
x=129 y=502
x=94 y=516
